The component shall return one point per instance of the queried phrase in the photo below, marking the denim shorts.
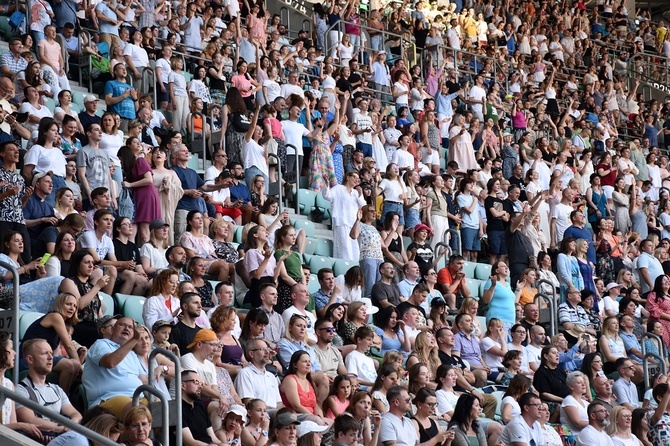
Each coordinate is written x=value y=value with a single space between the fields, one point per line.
x=392 y=206
x=497 y=242
x=412 y=218
x=470 y=239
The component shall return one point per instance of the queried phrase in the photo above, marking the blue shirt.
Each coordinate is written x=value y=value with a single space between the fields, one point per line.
x=189 y=180
x=125 y=108
x=37 y=208
x=240 y=191
x=287 y=347
x=630 y=341
x=502 y=302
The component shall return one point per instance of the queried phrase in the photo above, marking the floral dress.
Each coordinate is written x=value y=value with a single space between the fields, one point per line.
x=605 y=263
x=322 y=163
x=226 y=251
x=70 y=148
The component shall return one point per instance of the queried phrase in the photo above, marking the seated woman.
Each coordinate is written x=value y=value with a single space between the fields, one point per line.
x=137 y=423
x=198 y=244
x=494 y=347
x=509 y=407
x=573 y=407
x=52 y=328
x=259 y=263
x=231 y=356
x=196 y=268
x=335 y=314
x=392 y=331
x=163 y=304
x=525 y=290
x=152 y=253
x=386 y=378
x=133 y=278
x=59 y=263
x=612 y=347
x=550 y=381
x=298 y=391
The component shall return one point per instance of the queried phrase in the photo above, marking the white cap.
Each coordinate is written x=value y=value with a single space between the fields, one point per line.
x=370 y=309
x=238 y=410
x=308 y=427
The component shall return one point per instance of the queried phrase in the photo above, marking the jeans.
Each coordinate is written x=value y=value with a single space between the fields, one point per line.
x=371 y=274
x=377 y=42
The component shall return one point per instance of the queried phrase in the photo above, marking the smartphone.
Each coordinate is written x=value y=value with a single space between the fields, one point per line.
x=45 y=259
x=20 y=117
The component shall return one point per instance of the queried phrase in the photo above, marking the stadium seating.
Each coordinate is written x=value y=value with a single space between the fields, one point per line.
x=306 y=199
x=108 y=303
x=342 y=266
x=133 y=307
x=469 y=269
x=26 y=320
x=473 y=286
x=482 y=271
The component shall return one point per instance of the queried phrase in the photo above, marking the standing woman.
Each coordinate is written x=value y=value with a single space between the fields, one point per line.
x=245 y=84
x=168 y=185
x=658 y=304
x=370 y=246
x=460 y=145
x=178 y=93
x=111 y=142
x=496 y=217
x=255 y=154
x=394 y=194
x=46 y=156
x=231 y=356
x=596 y=201
x=568 y=266
x=393 y=244
x=346 y=200
x=322 y=167
x=139 y=178
x=435 y=213
x=586 y=268
x=163 y=70
x=499 y=296
x=136 y=58
x=236 y=124
x=291 y=272
x=621 y=203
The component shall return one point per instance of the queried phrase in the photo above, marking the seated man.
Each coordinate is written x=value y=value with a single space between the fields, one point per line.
x=254 y=381
x=196 y=427
x=39 y=356
x=328 y=293
x=113 y=371
x=300 y=298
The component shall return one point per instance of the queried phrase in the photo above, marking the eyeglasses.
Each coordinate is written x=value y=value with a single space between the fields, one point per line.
x=328 y=329
x=432 y=273
x=600 y=411
x=194 y=381
x=46 y=403
x=262 y=349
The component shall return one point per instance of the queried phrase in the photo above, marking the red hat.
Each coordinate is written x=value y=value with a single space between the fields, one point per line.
x=422 y=227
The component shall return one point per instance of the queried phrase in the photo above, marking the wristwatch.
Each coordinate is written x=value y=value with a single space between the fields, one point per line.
x=264 y=433
x=166 y=369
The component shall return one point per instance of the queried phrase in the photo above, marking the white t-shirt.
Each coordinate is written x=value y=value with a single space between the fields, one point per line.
x=293 y=133
x=166 y=69
x=561 y=213
x=518 y=431
x=255 y=156
x=46 y=160
x=362 y=366
x=403 y=159
x=533 y=354
x=477 y=93
x=103 y=247
x=363 y=122
x=111 y=144
x=590 y=436
x=290 y=311
x=273 y=89
x=392 y=190
x=192 y=37
x=137 y=55
x=156 y=256
x=404 y=99
x=516 y=410
x=570 y=401
x=206 y=370
x=490 y=359
x=611 y=304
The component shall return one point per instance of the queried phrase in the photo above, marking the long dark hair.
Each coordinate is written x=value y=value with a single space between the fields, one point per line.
x=462 y=411
x=4 y=353
x=235 y=102
x=256 y=315
x=518 y=385
x=586 y=364
x=384 y=317
x=295 y=357
x=383 y=373
x=75 y=261
x=45 y=125
x=339 y=325
x=127 y=158
x=658 y=287
x=636 y=423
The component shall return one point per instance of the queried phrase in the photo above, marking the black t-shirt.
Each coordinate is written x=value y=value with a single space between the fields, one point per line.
x=343 y=84
x=519 y=182
x=519 y=248
x=126 y=252
x=551 y=381
x=49 y=235
x=494 y=223
x=195 y=418
x=424 y=256
x=183 y=335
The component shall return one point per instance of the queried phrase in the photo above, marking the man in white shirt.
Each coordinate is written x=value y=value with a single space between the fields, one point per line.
x=453 y=36
x=254 y=381
x=595 y=433
x=525 y=430
x=300 y=298
x=361 y=126
x=648 y=266
x=292 y=87
x=293 y=133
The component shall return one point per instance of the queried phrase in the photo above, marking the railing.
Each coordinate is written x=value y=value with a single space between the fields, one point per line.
x=152 y=75
x=646 y=355
x=55 y=416
x=551 y=286
x=151 y=389
x=280 y=187
x=552 y=310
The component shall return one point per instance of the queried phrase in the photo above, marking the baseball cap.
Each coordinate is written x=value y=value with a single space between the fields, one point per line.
x=90 y=98
x=106 y=318
x=308 y=427
x=157 y=224
x=40 y=175
x=284 y=419
x=203 y=335
x=439 y=302
x=496 y=170
x=159 y=324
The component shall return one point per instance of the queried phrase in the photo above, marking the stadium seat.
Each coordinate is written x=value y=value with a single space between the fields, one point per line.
x=323 y=205
x=469 y=269
x=499 y=396
x=341 y=266
x=483 y=271
x=237 y=237
x=324 y=248
x=306 y=258
x=313 y=286
x=214 y=283
x=310 y=245
x=50 y=103
x=473 y=286
x=108 y=302
x=318 y=262
x=26 y=320
x=132 y=308
x=5 y=28
x=121 y=300
x=482 y=321
x=306 y=199
x=306 y=226
x=78 y=98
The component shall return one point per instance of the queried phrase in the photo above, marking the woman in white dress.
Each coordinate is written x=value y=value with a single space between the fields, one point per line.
x=524 y=40
x=329 y=85
x=111 y=142
x=346 y=201
x=460 y=145
x=654 y=176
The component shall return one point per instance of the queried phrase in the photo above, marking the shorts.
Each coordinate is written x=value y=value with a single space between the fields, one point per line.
x=497 y=242
x=392 y=206
x=608 y=191
x=228 y=212
x=412 y=218
x=162 y=97
x=470 y=239
x=433 y=158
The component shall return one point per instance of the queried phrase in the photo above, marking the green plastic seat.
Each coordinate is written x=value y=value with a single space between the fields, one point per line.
x=237 y=237
x=323 y=205
x=78 y=98
x=307 y=226
x=483 y=271
x=469 y=269
x=473 y=286
x=26 y=321
x=133 y=308
x=313 y=286
x=121 y=299
x=306 y=199
x=108 y=302
x=311 y=245
x=324 y=248
x=341 y=266
x=319 y=262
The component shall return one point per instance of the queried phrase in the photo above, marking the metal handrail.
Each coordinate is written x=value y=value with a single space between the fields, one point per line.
x=55 y=416
x=164 y=402
x=17 y=315
x=539 y=283
x=279 y=181
x=204 y=135
x=654 y=336
x=447 y=249
x=145 y=388
x=645 y=365
x=455 y=233
x=552 y=312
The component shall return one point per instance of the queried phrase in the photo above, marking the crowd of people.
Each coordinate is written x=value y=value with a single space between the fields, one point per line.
x=508 y=135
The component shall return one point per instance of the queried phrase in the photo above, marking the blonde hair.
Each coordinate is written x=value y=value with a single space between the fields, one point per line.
x=612 y=428
x=426 y=355
x=58 y=306
x=293 y=319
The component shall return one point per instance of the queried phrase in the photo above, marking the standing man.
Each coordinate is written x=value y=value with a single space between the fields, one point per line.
x=361 y=126
x=559 y=217
x=577 y=231
x=648 y=266
x=525 y=430
x=477 y=97
x=595 y=433
x=88 y=116
x=381 y=78
x=120 y=96
x=93 y=166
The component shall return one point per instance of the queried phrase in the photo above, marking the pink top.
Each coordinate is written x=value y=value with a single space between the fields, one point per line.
x=275 y=126
x=341 y=407
x=243 y=84
x=51 y=53
x=519 y=120
x=307 y=397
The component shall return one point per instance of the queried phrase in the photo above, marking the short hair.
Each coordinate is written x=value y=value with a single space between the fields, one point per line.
x=526 y=399
x=90 y=125
x=459 y=318
x=101 y=213
x=221 y=285
x=620 y=363
x=186 y=298
x=363 y=332
x=265 y=286
x=68 y=25
x=345 y=423
x=28 y=346
x=394 y=392
x=136 y=413
x=322 y=272
x=594 y=405
x=659 y=391
x=572 y=376
x=454 y=259
x=420 y=288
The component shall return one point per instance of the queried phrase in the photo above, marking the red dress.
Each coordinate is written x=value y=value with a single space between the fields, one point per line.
x=307 y=397
x=147 y=204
